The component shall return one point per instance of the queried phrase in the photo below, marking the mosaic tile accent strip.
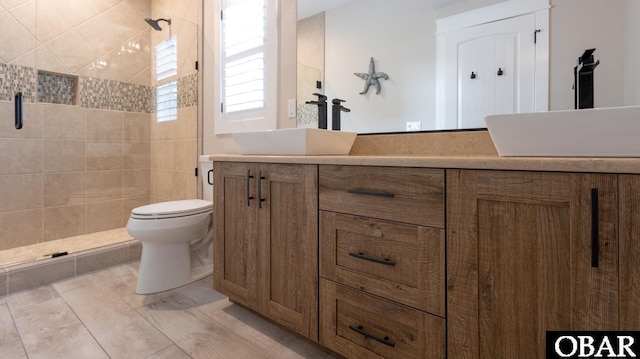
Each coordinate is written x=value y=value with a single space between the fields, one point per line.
x=307 y=116
x=115 y=95
x=15 y=79
x=57 y=88
x=188 y=91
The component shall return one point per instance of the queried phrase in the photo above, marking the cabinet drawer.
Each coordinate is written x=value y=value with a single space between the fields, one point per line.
x=360 y=325
x=401 y=262
x=410 y=195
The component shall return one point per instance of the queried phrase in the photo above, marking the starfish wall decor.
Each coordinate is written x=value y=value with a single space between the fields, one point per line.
x=371 y=78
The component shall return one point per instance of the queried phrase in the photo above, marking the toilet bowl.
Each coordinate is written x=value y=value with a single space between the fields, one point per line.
x=176 y=238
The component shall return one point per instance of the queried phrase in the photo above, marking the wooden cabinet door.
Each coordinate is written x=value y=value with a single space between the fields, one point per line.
x=520 y=259
x=288 y=246
x=235 y=232
x=629 y=252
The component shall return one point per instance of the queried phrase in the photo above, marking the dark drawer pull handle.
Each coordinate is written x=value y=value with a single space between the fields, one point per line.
x=260 y=199
x=595 y=241
x=384 y=340
x=371 y=193
x=386 y=262
x=249 y=196
x=210 y=177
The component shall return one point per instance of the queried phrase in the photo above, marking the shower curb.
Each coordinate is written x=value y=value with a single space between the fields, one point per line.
x=25 y=276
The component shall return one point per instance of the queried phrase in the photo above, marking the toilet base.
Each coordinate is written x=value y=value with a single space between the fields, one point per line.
x=165 y=266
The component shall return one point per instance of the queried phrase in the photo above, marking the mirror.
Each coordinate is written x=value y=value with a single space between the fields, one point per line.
x=400 y=36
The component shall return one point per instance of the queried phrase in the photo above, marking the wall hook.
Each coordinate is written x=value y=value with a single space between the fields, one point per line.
x=473 y=75
x=500 y=72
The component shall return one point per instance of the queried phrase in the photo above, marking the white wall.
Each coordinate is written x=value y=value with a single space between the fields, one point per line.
x=400 y=36
x=577 y=25
x=632 y=53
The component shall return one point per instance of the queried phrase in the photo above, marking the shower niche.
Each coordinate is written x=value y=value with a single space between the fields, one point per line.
x=57 y=88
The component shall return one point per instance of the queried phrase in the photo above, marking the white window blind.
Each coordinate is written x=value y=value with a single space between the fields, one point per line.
x=167 y=93
x=243 y=57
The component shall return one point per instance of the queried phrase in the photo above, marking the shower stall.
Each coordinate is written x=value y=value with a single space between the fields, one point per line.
x=98 y=115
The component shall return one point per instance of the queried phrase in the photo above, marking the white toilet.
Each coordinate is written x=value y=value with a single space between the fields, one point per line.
x=176 y=237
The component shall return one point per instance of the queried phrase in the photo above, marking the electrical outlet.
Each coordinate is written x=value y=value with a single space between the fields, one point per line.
x=291 y=108
x=414 y=126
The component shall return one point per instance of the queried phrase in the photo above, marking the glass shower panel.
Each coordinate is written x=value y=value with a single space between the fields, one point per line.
x=174 y=126
x=82 y=160
x=20 y=149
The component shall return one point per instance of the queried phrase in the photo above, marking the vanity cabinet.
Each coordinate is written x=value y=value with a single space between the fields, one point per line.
x=382 y=285
x=629 y=252
x=266 y=240
x=529 y=252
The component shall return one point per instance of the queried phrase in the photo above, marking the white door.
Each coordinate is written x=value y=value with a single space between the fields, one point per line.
x=487 y=69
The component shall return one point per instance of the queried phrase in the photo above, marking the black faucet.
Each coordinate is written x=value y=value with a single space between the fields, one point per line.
x=322 y=110
x=583 y=80
x=335 y=113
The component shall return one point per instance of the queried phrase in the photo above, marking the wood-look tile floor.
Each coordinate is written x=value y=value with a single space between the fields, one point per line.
x=99 y=316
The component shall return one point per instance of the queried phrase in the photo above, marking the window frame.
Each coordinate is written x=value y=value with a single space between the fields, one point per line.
x=252 y=120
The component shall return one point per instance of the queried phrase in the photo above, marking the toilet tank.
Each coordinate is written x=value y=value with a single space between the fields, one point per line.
x=206 y=174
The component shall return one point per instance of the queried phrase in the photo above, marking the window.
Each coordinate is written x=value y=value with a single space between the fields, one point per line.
x=245 y=52
x=167 y=92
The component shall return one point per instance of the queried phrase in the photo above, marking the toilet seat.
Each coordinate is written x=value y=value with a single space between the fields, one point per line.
x=173 y=209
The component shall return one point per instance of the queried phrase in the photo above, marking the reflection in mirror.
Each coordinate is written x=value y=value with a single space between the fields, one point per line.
x=336 y=42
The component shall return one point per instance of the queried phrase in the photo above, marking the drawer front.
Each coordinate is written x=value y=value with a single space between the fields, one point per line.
x=359 y=325
x=409 y=195
x=401 y=262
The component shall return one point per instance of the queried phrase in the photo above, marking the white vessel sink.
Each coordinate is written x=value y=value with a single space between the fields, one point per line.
x=601 y=132
x=295 y=141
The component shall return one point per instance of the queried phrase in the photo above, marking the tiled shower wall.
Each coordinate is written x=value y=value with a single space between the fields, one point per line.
x=174 y=144
x=71 y=171
x=81 y=168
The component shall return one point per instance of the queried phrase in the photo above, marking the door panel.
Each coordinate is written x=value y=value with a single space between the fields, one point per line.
x=289 y=245
x=519 y=259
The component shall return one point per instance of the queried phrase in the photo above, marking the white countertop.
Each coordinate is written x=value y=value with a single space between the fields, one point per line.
x=556 y=164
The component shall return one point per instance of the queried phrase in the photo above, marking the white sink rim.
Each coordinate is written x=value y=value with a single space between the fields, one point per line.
x=599 y=132
x=295 y=142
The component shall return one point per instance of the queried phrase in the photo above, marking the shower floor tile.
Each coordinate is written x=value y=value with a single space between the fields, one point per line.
x=40 y=251
x=98 y=315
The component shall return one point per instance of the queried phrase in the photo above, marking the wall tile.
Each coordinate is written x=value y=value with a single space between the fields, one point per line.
x=20 y=228
x=73 y=50
x=66 y=221
x=137 y=127
x=19 y=156
x=102 y=216
x=93 y=260
x=115 y=95
x=136 y=183
x=185 y=155
x=64 y=156
x=135 y=251
x=187 y=123
x=104 y=156
x=4 y=285
x=57 y=88
x=32 y=123
x=64 y=189
x=137 y=155
x=128 y=204
x=19 y=43
x=104 y=125
x=48 y=271
x=64 y=122
x=183 y=186
x=104 y=186
x=20 y=192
